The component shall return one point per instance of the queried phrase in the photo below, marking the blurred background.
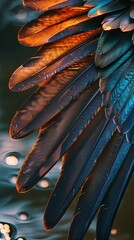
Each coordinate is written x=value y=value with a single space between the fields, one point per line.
x=21 y=214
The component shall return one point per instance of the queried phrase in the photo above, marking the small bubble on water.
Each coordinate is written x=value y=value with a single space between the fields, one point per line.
x=44 y=183
x=114 y=231
x=14 y=179
x=11 y=160
x=23 y=216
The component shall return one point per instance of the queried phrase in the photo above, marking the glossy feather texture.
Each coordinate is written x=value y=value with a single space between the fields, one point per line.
x=83 y=107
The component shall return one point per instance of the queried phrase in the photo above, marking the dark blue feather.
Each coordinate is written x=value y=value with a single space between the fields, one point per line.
x=81 y=158
x=113 y=197
x=96 y=186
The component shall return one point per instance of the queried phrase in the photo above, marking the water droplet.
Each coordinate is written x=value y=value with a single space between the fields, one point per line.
x=7 y=228
x=1 y=225
x=44 y=183
x=13 y=179
x=5 y=231
x=21 y=15
x=114 y=231
x=23 y=216
x=11 y=160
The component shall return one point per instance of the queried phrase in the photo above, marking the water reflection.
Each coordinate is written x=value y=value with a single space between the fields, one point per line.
x=11 y=160
x=24 y=211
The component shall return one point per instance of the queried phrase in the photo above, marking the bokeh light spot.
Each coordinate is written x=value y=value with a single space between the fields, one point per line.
x=23 y=216
x=14 y=179
x=11 y=160
x=5 y=232
x=44 y=183
x=21 y=15
x=114 y=231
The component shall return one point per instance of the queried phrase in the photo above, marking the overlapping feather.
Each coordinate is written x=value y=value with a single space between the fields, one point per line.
x=41 y=5
x=67 y=106
x=119 y=14
x=109 y=208
x=96 y=185
x=117 y=87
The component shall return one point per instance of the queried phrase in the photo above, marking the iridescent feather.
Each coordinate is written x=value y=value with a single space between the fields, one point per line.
x=83 y=107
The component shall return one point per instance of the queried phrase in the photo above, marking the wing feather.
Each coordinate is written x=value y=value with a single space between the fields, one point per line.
x=41 y=5
x=97 y=184
x=48 y=55
x=52 y=138
x=30 y=118
x=110 y=204
x=81 y=158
